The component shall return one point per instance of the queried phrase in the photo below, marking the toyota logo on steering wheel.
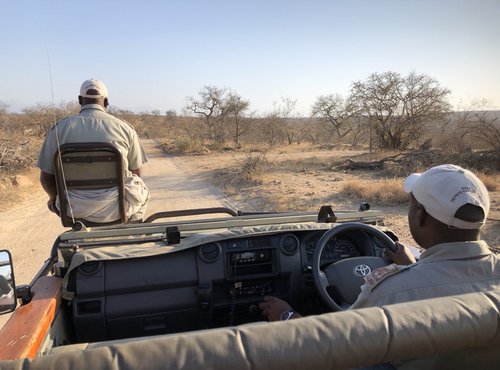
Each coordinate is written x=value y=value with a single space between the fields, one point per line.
x=362 y=270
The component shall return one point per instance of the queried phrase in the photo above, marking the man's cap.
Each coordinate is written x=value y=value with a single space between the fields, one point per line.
x=443 y=189
x=96 y=85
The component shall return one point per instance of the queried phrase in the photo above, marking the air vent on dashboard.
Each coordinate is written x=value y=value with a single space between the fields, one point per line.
x=210 y=252
x=90 y=268
x=289 y=244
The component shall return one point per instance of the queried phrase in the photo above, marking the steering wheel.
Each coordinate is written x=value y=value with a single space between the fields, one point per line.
x=346 y=275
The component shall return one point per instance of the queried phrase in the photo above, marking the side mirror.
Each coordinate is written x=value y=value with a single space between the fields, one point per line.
x=8 y=299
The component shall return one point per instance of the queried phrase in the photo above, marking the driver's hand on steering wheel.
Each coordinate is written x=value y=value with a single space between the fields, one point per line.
x=402 y=256
x=272 y=308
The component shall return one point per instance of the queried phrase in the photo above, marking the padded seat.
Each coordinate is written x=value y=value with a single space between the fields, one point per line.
x=88 y=166
x=456 y=332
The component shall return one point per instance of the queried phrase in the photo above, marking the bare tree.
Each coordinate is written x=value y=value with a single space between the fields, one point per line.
x=211 y=106
x=292 y=125
x=297 y=130
x=474 y=126
x=272 y=129
x=397 y=108
x=486 y=130
x=360 y=130
x=335 y=112
x=275 y=126
x=3 y=107
x=171 y=113
x=3 y=113
x=236 y=108
x=170 y=117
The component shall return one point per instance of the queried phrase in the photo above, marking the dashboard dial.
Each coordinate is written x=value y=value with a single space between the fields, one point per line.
x=336 y=249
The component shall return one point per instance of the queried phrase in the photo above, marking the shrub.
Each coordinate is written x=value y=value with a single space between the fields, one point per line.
x=16 y=157
x=186 y=144
x=253 y=167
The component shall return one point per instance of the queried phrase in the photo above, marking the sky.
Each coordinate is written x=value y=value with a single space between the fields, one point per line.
x=153 y=54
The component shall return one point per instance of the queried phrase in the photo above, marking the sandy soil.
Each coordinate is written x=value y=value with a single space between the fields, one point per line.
x=309 y=187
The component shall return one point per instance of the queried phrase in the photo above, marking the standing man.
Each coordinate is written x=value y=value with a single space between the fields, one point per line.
x=93 y=124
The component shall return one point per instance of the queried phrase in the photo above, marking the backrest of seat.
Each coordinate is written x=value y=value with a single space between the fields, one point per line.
x=88 y=166
x=463 y=331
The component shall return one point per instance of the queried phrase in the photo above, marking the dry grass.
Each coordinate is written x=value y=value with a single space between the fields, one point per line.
x=284 y=203
x=383 y=192
x=490 y=181
x=303 y=178
x=11 y=195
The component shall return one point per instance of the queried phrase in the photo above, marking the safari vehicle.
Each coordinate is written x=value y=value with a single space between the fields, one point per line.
x=183 y=293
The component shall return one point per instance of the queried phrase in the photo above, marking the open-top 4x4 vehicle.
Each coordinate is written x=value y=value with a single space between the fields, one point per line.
x=143 y=295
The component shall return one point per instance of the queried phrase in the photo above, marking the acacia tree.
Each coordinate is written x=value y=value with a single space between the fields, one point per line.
x=211 y=106
x=397 y=109
x=335 y=113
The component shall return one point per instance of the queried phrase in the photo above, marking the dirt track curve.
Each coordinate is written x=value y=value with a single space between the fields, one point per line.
x=29 y=229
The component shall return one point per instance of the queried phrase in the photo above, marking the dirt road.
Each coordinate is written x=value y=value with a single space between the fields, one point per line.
x=29 y=229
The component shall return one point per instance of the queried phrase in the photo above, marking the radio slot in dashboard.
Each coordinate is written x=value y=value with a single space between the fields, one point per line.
x=249 y=264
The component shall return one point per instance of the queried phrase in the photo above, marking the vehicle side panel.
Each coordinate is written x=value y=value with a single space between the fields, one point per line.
x=25 y=331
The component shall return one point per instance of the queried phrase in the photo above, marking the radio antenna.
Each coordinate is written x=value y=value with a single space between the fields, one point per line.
x=59 y=158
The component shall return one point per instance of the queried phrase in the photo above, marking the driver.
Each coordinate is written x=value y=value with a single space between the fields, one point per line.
x=448 y=206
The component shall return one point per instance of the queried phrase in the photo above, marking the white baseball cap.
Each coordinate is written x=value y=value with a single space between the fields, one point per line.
x=443 y=189
x=96 y=85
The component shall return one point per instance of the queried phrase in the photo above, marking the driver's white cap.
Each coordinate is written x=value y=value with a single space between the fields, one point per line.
x=96 y=85
x=443 y=189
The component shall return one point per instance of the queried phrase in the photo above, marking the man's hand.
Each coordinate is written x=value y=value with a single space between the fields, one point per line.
x=51 y=203
x=403 y=255
x=273 y=307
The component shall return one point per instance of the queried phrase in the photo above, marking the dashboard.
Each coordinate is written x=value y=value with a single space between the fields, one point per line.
x=336 y=249
x=219 y=283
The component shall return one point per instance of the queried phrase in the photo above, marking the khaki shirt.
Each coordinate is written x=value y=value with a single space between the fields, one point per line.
x=443 y=270
x=93 y=124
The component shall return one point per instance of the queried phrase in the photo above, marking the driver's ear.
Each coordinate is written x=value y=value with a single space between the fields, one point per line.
x=421 y=215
